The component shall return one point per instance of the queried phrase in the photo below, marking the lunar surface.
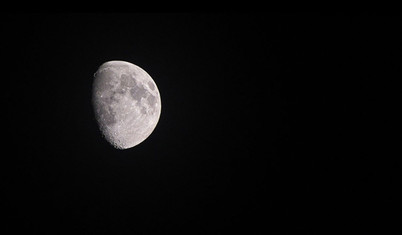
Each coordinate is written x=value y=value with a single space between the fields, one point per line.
x=126 y=102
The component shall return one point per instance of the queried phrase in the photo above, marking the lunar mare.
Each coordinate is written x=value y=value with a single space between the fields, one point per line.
x=126 y=102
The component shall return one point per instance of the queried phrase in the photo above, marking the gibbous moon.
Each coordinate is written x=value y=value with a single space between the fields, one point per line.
x=126 y=102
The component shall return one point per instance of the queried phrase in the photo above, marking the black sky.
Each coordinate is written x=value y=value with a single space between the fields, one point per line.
x=270 y=123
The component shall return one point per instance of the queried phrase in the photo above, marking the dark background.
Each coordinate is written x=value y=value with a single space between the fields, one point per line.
x=270 y=124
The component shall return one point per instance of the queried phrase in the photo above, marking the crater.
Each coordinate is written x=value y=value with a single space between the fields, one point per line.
x=105 y=114
x=126 y=80
x=102 y=82
x=151 y=85
x=143 y=110
x=138 y=92
x=151 y=100
x=119 y=90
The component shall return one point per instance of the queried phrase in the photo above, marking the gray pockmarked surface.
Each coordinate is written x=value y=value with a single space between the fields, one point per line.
x=126 y=102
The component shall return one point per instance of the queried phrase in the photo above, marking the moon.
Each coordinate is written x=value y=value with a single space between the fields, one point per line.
x=126 y=103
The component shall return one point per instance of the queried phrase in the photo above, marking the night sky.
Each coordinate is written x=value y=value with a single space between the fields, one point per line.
x=270 y=123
